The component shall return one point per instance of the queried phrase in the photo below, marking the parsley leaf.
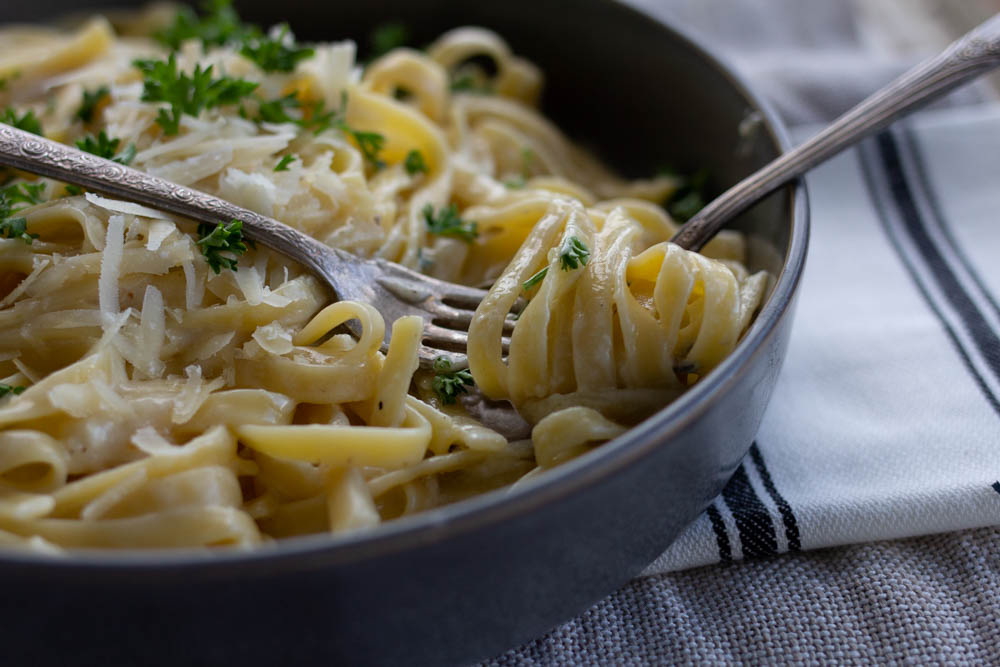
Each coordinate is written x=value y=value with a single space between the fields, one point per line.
x=92 y=100
x=219 y=26
x=13 y=226
x=276 y=54
x=448 y=223
x=448 y=384
x=7 y=389
x=28 y=122
x=466 y=82
x=689 y=198
x=73 y=190
x=284 y=162
x=573 y=254
x=388 y=36
x=105 y=147
x=221 y=239
x=369 y=143
x=535 y=279
x=187 y=94
x=414 y=163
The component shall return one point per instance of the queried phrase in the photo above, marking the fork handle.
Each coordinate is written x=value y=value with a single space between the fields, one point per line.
x=976 y=52
x=38 y=155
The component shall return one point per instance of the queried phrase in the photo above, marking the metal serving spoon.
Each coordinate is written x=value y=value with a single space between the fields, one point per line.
x=447 y=308
x=975 y=53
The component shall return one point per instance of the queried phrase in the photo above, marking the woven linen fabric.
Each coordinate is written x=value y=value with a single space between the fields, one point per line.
x=923 y=600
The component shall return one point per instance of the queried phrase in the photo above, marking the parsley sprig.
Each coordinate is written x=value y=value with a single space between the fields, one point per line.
x=318 y=118
x=448 y=384
x=279 y=53
x=573 y=254
x=448 y=223
x=187 y=94
x=28 y=121
x=284 y=162
x=690 y=197
x=91 y=101
x=388 y=36
x=107 y=148
x=7 y=389
x=13 y=226
x=220 y=25
x=414 y=163
x=228 y=239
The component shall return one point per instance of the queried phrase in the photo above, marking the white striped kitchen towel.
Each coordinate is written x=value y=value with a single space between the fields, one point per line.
x=885 y=422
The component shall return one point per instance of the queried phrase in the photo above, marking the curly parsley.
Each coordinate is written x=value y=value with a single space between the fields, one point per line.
x=28 y=122
x=388 y=36
x=187 y=94
x=448 y=384
x=6 y=389
x=690 y=197
x=220 y=25
x=573 y=254
x=13 y=226
x=107 y=148
x=221 y=239
x=91 y=102
x=284 y=162
x=414 y=163
x=279 y=53
x=448 y=223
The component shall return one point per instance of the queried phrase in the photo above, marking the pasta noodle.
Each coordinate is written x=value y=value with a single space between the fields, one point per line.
x=155 y=399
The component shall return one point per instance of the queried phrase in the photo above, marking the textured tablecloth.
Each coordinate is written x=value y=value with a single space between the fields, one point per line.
x=933 y=598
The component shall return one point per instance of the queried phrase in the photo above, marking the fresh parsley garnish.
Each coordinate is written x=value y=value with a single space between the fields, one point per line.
x=7 y=389
x=27 y=122
x=73 y=190
x=515 y=182
x=107 y=148
x=221 y=239
x=276 y=54
x=535 y=279
x=219 y=26
x=92 y=100
x=276 y=111
x=448 y=384
x=13 y=226
x=187 y=94
x=414 y=163
x=466 y=82
x=448 y=223
x=369 y=143
x=689 y=198
x=573 y=254
x=284 y=162
x=388 y=36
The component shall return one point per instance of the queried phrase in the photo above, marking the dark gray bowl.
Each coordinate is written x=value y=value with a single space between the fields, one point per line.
x=467 y=581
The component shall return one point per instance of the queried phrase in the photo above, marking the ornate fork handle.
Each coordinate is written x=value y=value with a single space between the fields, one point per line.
x=971 y=55
x=38 y=155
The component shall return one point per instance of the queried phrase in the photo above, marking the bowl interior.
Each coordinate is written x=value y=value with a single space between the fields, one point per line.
x=640 y=95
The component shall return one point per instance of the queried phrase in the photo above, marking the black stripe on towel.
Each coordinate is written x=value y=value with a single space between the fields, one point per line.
x=868 y=168
x=721 y=538
x=787 y=516
x=753 y=521
x=982 y=333
x=923 y=183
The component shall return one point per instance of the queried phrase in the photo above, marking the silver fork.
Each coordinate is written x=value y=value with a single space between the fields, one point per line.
x=394 y=290
x=975 y=53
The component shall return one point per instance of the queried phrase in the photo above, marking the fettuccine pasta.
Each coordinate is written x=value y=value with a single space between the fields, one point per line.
x=164 y=392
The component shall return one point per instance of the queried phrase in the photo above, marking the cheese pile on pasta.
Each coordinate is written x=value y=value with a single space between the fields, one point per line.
x=157 y=395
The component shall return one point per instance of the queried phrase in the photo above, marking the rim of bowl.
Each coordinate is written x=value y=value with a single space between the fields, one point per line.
x=500 y=505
